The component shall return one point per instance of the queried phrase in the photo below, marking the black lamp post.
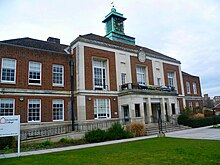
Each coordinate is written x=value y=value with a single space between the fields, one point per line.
x=72 y=87
x=159 y=120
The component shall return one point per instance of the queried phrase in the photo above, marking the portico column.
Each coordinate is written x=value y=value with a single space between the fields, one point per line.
x=149 y=110
x=163 y=111
x=132 y=111
x=169 y=110
x=142 y=111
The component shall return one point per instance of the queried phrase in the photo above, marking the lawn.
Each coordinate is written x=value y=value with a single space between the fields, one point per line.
x=151 y=151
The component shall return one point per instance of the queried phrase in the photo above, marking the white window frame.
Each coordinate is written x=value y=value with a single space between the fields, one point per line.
x=123 y=78
x=32 y=62
x=103 y=68
x=15 y=64
x=58 y=101
x=107 y=108
x=57 y=84
x=34 y=121
x=188 y=90
x=8 y=101
x=195 y=88
x=171 y=79
x=141 y=75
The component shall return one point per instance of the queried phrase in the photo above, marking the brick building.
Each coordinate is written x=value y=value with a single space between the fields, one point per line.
x=193 y=95
x=115 y=79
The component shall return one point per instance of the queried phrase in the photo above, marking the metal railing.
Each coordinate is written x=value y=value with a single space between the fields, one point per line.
x=129 y=86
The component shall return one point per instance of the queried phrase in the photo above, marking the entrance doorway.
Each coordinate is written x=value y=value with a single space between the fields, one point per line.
x=156 y=112
x=125 y=110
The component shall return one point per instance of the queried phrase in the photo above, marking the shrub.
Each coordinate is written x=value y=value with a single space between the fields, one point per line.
x=198 y=115
x=45 y=144
x=8 y=142
x=95 y=136
x=116 y=131
x=137 y=129
x=72 y=141
x=198 y=122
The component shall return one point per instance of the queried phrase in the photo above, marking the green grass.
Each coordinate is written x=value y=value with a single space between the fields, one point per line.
x=171 y=151
x=217 y=126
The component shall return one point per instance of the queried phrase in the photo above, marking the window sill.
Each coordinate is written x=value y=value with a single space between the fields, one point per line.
x=59 y=86
x=8 y=82
x=34 y=84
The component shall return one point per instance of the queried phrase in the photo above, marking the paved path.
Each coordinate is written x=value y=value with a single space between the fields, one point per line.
x=195 y=133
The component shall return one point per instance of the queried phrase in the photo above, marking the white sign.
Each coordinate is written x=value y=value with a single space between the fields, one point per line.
x=10 y=126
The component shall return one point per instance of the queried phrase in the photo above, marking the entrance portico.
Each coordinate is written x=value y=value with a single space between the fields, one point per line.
x=146 y=109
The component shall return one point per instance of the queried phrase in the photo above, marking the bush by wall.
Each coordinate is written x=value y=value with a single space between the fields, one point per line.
x=95 y=136
x=137 y=129
x=115 y=132
x=7 y=142
x=198 y=122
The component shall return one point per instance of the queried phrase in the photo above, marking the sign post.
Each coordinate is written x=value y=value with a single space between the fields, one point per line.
x=10 y=126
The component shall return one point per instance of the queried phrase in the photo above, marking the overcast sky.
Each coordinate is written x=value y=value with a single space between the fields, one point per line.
x=188 y=30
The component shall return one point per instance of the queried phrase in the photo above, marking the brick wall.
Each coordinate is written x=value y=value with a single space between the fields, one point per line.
x=172 y=68
x=90 y=106
x=147 y=63
x=47 y=59
x=21 y=108
x=192 y=79
x=89 y=54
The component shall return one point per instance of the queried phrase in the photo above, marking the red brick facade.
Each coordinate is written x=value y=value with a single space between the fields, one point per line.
x=191 y=79
x=172 y=68
x=90 y=106
x=47 y=59
x=147 y=63
x=89 y=54
x=23 y=56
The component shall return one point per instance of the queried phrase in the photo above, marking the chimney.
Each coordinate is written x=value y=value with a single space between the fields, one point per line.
x=53 y=40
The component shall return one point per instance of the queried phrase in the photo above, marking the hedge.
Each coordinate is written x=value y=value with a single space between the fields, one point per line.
x=198 y=122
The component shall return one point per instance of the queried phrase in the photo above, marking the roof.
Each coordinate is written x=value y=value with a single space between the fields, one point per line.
x=37 y=44
x=187 y=74
x=96 y=38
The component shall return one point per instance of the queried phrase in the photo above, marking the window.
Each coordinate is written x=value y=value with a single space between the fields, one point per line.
x=34 y=110
x=34 y=73
x=123 y=78
x=8 y=70
x=102 y=108
x=194 y=88
x=137 y=110
x=159 y=81
x=190 y=105
x=58 y=110
x=188 y=87
x=141 y=75
x=7 y=107
x=58 y=75
x=99 y=74
x=171 y=81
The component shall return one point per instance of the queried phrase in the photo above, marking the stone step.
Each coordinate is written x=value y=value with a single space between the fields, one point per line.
x=153 y=129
